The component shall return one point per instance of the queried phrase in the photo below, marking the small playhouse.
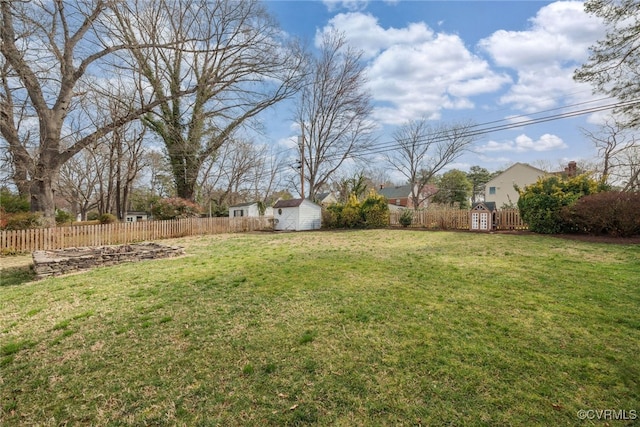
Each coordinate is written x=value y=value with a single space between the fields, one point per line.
x=296 y=215
x=482 y=216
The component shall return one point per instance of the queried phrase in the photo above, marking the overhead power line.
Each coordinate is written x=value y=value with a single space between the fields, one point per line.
x=489 y=127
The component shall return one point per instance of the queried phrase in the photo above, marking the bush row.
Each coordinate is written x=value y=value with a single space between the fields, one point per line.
x=372 y=212
x=579 y=205
x=607 y=213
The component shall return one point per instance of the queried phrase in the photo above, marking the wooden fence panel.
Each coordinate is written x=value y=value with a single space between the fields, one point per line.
x=506 y=219
x=121 y=233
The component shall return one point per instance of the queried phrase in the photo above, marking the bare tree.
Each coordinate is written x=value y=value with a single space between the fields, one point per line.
x=229 y=53
x=16 y=130
x=160 y=181
x=230 y=174
x=267 y=173
x=50 y=51
x=79 y=182
x=241 y=172
x=333 y=113
x=617 y=151
x=422 y=151
x=613 y=67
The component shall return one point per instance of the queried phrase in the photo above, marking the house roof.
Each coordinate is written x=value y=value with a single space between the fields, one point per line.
x=291 y=203
x=397 y=192
x=240 y=205
x=518 y=164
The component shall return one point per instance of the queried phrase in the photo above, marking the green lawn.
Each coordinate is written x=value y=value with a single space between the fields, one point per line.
x=384 y=327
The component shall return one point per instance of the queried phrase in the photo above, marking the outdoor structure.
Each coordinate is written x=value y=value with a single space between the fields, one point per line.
x=482 y=216
x=399 y=196
x=328 y=198
x=296 y=215
x=136 y=216
x=70 y=260
x=501 y=191
x=248 y=209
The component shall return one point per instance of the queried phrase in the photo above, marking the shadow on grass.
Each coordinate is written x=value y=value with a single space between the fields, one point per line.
x=16 y=276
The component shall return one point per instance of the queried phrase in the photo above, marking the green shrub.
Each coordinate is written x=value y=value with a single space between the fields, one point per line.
x=406 y=218
x=13 y=203
x=93 y=216
x=23 y=221
x=331 y=215
x=175 y=208
x=107 y=218
x=351 y=214
x=541 y=203
x=63 y=217
x=375 y=211
x=611 y=213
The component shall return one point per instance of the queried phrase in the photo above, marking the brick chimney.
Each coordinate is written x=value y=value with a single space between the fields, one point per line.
x=571 y=170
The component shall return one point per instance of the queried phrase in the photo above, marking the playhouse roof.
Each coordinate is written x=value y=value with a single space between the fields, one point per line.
x=491 y=206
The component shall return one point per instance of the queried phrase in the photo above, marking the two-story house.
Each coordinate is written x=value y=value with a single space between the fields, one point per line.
x=501 y=189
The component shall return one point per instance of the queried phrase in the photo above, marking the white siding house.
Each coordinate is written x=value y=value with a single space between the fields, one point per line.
x=136 y=216
x=297 y=214
x=500 y=189
x=247 y=209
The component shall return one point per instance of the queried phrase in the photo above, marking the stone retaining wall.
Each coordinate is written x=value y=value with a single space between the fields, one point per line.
x=54 y=263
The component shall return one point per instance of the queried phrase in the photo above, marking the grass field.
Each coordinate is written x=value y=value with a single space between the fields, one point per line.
x=383 y=327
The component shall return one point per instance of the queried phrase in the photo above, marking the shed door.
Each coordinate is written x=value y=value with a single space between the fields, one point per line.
x=484 y=221
x=475 y=220
x=288 y=219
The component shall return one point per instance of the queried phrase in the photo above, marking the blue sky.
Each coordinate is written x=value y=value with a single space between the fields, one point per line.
x=477 y=60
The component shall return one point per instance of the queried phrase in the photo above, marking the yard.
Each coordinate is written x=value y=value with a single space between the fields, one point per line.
x=382 y=327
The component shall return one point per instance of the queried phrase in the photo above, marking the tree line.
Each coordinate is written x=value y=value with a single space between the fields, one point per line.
x=96 y=93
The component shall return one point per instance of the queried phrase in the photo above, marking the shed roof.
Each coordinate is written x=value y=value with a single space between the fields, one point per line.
x=291 y=203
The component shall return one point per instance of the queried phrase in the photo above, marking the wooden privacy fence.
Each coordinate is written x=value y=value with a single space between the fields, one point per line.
x=124 y=232
x=456 y=219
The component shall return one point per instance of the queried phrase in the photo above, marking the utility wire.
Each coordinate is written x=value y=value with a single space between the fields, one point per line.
x=485 y=128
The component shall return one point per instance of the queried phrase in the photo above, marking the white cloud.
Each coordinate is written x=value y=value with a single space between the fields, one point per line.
x=545 y=56
x=414 y=71
x=524 y=143
x=353 y=5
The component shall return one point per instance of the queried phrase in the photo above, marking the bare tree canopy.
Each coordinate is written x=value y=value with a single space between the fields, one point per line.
x=333 y=112
x=55 y=53
x=619 y=155
x=422 y=151
x=614 y=63
x=241 y=172
x=230 y=54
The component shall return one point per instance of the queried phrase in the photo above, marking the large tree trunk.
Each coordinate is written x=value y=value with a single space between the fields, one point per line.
x=43 y=193
x=185 y=170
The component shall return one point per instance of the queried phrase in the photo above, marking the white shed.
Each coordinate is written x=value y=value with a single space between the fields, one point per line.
x=247 y=209
x=297 y=214
x=136 y=216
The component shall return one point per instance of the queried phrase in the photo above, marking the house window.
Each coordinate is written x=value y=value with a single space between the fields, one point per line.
x=238 y=212
x=398 y=202
x=492 y=190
